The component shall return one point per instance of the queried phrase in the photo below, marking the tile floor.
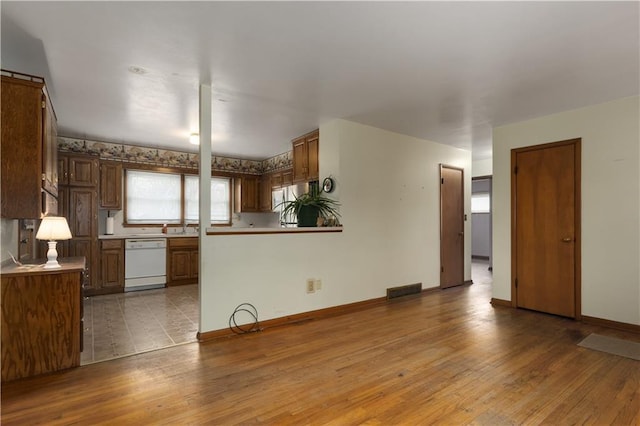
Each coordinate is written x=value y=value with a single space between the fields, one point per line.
x=117 y=325
x=124 y=324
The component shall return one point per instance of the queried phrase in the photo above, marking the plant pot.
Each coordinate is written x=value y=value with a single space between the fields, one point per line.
x=308 y=216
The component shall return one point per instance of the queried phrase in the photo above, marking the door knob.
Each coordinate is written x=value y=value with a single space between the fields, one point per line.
x=461 y=233
x=567 y=240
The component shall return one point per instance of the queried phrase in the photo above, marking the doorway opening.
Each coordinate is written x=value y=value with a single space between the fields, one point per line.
x=481 y=221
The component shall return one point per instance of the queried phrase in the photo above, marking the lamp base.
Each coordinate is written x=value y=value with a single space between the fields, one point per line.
x=52 y=265
x=52 y=256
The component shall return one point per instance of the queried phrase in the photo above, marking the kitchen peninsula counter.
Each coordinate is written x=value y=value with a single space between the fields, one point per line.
x=261 y=231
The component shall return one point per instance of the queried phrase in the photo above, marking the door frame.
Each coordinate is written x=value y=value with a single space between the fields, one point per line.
x=461 y=170
x=577 y=143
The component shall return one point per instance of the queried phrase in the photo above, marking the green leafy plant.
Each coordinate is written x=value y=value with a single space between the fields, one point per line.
x=309 y=206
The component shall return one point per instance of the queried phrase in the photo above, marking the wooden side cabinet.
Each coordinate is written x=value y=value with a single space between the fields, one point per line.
x=110 y=185
x=41 y=319
x=112 y=265
x=182 y=261
x=305 y=157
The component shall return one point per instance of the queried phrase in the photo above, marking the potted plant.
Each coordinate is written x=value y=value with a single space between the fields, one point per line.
x=310 y=206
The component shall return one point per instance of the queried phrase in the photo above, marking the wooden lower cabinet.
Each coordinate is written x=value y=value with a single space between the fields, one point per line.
x=182 y=261
x=111 y=266
x=41 y=319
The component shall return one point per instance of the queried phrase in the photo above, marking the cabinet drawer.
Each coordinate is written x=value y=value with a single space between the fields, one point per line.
x=190 y=242
x=111 y=244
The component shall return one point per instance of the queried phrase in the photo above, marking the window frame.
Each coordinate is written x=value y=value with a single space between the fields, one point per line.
x=182 y=173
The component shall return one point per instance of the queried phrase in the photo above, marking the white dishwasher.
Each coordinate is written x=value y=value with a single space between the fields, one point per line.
x=145 y=265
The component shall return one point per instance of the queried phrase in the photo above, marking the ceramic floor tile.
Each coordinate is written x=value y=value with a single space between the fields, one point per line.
x=127 y=323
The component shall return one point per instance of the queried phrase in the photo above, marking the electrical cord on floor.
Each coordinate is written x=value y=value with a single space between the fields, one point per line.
x=252 y=311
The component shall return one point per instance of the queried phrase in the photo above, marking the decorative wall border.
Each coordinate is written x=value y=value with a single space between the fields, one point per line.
x=169 y=158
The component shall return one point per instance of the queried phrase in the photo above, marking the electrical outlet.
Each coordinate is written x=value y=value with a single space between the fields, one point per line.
x=318 y=284
x=310 y=285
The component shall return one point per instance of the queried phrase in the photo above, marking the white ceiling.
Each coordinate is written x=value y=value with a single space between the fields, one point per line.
x=446 y=72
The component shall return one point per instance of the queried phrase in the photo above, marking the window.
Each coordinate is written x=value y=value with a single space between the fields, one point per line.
x=481 y=202
x=220 y=199
x=153 y=198
x=157 y=198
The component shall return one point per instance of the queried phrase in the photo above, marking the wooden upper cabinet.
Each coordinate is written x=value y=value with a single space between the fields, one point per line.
x=313 y=169
x=300 y=159
x=83 y=171
x=28 y=149
x=287 y=177
x=276 y=180
x=305 y=157
x=110 y=185
x=265 y=193
x=249 y=193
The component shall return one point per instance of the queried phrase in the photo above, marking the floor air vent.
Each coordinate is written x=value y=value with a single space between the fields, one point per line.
x=404 y=290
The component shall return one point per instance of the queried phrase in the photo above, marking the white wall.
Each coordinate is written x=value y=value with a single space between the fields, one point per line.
x=482 y=167
x=8 y=238
x=388 y=185
x=610 y=202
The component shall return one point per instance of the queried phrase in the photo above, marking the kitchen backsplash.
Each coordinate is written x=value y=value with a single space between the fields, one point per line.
x=165 y=157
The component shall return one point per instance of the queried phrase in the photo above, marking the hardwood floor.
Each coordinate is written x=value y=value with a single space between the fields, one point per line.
x=447 y=357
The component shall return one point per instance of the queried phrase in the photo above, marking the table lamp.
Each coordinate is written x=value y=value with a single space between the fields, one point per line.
x=53 y=228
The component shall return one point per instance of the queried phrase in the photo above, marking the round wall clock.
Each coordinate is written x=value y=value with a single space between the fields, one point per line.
x=327 y=184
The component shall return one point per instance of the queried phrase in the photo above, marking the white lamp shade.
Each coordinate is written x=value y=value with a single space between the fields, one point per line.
x=53 y=228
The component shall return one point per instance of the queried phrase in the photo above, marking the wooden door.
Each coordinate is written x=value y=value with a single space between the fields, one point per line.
x=451 y=226
x=545 y=218
x=83 y=216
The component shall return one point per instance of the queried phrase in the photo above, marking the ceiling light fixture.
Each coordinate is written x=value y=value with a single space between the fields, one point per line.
x=137 y=70
x=194 y=139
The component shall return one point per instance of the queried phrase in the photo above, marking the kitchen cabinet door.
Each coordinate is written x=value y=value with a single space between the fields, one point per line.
x=265 y=194
x=111 y=185
x=112 y=264
x=83 y=215
x=180 y=265
x=305 y=157
x=83 y=171
x=313 y=169
x=26 y=153
x=287 y=177
x=250 y=190
x=276 y=180
x=300 y=159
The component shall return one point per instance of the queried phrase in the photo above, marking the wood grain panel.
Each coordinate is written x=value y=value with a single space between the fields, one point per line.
x=21 y=149
x=40 y=324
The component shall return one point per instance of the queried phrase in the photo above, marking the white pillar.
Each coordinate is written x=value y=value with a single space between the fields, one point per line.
x=205 y=179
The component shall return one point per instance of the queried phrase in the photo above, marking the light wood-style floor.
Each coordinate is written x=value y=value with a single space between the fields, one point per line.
x=447 y=357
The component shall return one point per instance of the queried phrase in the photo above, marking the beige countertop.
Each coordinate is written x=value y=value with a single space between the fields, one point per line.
x=256 y=231
x=133 y=236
